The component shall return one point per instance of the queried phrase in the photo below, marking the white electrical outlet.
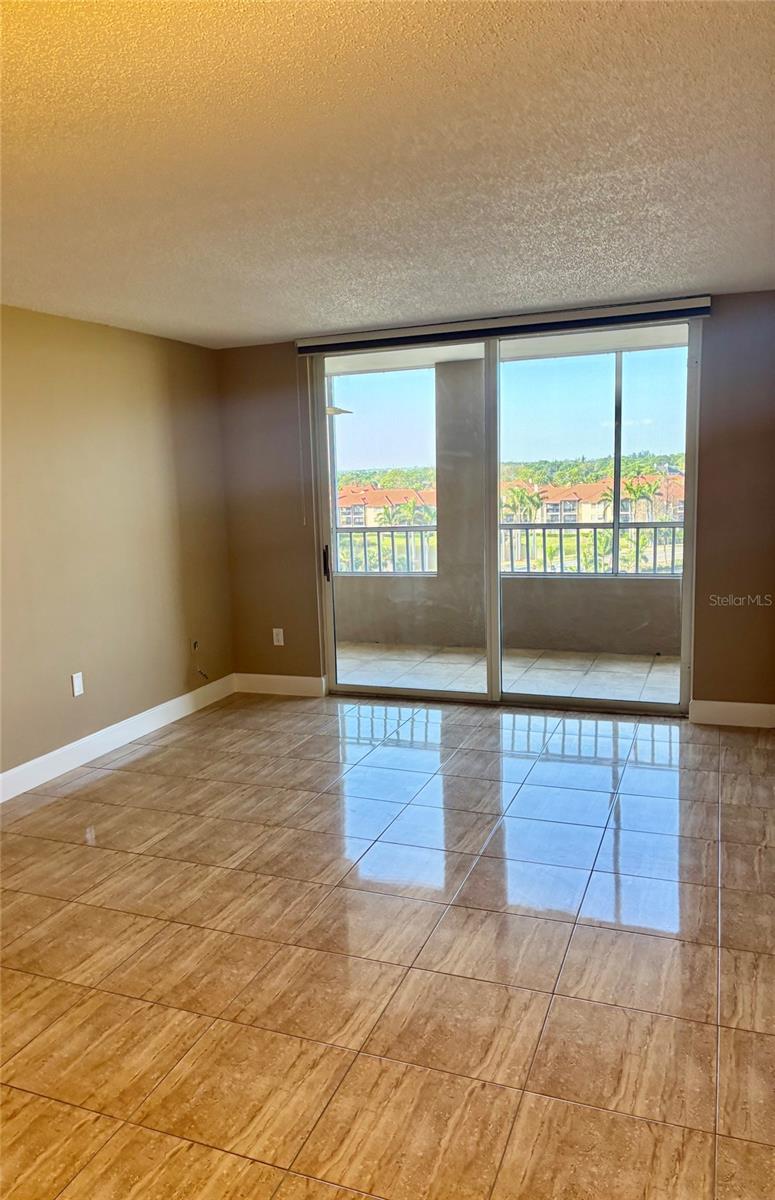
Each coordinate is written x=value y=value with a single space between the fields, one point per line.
x=278 y=637
x=77 y=683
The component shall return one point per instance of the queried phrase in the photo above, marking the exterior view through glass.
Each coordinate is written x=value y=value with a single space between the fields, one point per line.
x=589 y=548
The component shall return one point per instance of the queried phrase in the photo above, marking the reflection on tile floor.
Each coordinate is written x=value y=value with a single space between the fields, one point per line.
x=654 y=678
x=301 y=948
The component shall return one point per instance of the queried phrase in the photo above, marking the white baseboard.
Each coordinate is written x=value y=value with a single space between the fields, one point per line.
x=32 y=774
x=727 y=712
x=49 y=766
x=282 y=685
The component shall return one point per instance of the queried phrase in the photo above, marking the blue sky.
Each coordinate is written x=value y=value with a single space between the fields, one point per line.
x=550 y=408
x=393 y=422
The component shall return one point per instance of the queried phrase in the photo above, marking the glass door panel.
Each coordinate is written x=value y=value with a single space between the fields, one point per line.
x=556 y=523
x=592 y=443
x=651 y=508
x=405 y=438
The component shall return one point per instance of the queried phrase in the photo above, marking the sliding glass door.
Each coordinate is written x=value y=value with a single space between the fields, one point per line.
x=505 y=519
x=592 y=477
x=406 y=519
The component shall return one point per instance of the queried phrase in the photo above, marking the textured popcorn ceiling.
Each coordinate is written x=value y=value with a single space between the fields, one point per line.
x=233 y=172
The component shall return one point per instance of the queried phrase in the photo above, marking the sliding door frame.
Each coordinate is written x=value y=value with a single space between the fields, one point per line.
x=322 y=465
x=693 y=369
x=492 y=519
x=323 y=460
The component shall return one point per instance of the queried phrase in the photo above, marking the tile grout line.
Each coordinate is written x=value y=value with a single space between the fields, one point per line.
x=347 y=768
x=431 y=1070
x=120 y=1124
x=539 y=1039
x=65 y=1011
x=99 y=986
x=268 y=782
x=717 y=1097
x=127 y=1121
x=146 y=850
x=538 y=1093
x=360 y=1052
x=122 y=805
x=356 y=1055
x=168 y=1072
x=394 y=895
x=576 y=924
x=31 y=928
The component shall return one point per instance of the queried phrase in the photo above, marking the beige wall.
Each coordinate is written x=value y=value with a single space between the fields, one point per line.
x=734 y=645
x=114 y=548
x=273 y=565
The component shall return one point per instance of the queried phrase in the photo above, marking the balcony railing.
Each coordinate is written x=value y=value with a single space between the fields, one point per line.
x=645 y=548
x=386 y=550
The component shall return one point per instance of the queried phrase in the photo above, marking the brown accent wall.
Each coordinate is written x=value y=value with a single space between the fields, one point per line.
x=734 y=642
x=114 y=531
x=272 y=558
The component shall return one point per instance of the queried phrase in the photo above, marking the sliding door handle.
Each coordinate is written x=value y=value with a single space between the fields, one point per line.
x=326 y=564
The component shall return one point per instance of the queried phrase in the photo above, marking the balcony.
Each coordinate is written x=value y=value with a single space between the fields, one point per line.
x=560 y=587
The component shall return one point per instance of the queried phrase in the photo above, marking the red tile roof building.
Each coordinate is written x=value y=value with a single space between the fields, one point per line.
x=583 y=501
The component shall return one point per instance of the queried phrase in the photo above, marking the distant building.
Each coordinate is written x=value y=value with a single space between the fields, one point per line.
x=651 y=498
x=359 y=505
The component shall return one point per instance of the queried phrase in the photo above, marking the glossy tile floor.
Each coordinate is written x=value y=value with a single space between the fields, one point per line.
x=319 y=950
x=654 y=678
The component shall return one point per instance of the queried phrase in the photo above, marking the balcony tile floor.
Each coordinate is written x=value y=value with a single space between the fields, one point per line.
x=654 y=678
x=550 y=983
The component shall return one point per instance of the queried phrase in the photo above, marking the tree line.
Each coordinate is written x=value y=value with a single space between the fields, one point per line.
x=559 y=471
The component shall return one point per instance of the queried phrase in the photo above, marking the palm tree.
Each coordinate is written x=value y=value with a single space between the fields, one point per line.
x=414 y=512
x=631 y=489
x=607 y=499
x=642 y=490
x=521 y=504
x=650 y=489
x=388 y=515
